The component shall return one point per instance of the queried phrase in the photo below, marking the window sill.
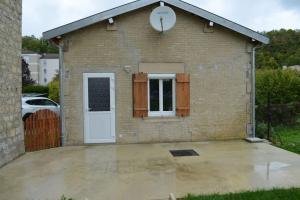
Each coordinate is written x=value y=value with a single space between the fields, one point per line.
x=163 y=119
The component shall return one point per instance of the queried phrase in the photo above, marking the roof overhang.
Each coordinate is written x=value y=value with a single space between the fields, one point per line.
x=142 y=3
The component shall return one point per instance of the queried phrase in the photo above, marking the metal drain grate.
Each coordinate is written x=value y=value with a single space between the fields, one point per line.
x=182 y=153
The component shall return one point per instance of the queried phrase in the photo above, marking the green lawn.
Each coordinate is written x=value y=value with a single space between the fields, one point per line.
x=276 y=194
x=287 y=138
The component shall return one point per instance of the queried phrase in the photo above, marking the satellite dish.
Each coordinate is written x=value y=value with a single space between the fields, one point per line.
x=163 y=18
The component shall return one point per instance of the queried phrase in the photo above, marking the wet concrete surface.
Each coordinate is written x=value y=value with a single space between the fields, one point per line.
x=147 y=171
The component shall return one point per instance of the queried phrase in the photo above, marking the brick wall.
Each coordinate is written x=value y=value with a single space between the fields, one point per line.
x=219 y=64
x=11 y=133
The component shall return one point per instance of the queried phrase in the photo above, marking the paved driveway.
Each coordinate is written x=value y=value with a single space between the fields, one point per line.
x=142 y=172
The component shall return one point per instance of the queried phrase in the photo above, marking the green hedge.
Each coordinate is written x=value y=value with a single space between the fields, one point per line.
x=281 y=89
x=36 y=89
x=51 y=91
x=54 y=90
x=283 y=86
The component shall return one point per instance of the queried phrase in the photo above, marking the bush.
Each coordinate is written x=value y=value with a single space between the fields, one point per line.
x=280 y=88
x=283 y=86
x=36 y=89
x=261 y=130
x=65 y=198
x=54 y=90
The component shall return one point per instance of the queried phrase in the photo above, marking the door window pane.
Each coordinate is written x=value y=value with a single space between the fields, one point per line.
x=99 y=94
x=168 y=95
x=154 y=94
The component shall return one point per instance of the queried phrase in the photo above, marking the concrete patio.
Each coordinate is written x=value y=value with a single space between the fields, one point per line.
x=147 y=172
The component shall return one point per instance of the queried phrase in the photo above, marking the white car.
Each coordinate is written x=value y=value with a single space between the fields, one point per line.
x=32 y=104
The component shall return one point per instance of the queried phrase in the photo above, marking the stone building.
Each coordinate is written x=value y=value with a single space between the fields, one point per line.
x=128 y=80
x=11 y=131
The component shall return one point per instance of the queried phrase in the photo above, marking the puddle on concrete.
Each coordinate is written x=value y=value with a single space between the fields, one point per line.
x=271 y=169
x=271 y=166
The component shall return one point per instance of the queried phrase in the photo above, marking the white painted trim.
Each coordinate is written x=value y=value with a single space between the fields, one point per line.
x=143 y=3
x=161 y=96
x=162 y=113
x=161 y=76
x=112 y=105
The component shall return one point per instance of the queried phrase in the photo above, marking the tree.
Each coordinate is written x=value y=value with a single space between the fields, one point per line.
x=31 y=43
x=283 y=50
x=266 y=61
x=26 y=77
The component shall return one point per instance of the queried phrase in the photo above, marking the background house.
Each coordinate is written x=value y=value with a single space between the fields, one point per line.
x=126 y=82
x=295 y=67
x=33 y=61
x=48 y=68
x=11 y=129
x=43 y=67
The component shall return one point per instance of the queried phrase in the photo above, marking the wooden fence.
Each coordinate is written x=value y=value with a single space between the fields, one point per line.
x=42 y=131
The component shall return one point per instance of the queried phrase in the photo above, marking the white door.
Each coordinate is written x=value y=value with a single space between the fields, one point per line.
x=99 y=107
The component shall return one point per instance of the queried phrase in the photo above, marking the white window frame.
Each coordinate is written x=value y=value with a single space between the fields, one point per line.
x=162 y=113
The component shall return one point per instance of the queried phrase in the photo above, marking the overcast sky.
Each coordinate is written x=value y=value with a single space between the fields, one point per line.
x=259 y=15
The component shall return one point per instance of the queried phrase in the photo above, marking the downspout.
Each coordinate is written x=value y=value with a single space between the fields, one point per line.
x=61 y=92
x=253 y=95
x=60 y=47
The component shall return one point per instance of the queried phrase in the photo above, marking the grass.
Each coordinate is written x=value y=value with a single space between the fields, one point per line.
x=65 y=198
x=275 y=194
x=287 y=138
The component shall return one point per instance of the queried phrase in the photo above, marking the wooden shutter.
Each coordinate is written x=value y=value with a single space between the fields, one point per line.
x=140 y=95
x=182 y=95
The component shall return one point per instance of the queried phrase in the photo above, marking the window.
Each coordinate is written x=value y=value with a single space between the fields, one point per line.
x=33 y=102
x=45 y=80
x=99 y=94
x=45 y=102
x=45 y=71
x=161 y=95
x=41 y=102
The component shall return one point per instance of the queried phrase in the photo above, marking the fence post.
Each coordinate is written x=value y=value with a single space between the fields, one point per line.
x=269 y=115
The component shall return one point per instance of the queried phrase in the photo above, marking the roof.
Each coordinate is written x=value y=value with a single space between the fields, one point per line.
x=43 y=55
x=142 y=3
x=50 y=56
